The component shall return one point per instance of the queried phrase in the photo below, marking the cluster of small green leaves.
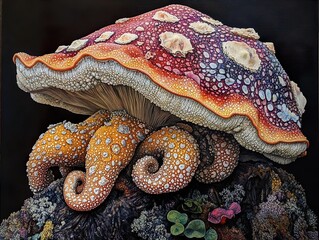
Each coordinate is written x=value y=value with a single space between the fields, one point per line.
x=194 y=229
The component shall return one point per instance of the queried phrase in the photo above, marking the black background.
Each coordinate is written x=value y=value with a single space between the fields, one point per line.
x=38 y=27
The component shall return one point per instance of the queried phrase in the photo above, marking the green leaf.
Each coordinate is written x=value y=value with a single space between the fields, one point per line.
x=177 y=229
x=188 y=203
x=177 y=217
x=173 y=216
x=195 y=229
x=183 y=218
x=211 y=234
x=192 y=206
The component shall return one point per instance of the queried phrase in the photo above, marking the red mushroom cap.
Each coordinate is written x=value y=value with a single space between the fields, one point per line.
x=186 y=63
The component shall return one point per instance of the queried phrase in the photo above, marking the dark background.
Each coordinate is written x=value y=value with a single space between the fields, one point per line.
x=38 y=27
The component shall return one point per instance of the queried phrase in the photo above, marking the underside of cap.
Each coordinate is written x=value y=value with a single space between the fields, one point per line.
x=79 y=90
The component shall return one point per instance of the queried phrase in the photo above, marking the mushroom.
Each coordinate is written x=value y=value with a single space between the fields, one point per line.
x=169 y=64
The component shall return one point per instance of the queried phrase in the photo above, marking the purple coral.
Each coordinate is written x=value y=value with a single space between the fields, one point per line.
x=219 y=215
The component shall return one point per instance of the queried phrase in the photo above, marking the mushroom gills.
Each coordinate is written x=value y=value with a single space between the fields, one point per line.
x=111 y=98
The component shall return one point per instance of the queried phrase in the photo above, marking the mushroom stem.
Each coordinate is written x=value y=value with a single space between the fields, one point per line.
x=61 y=145
x=109 y=151
x=223 y=150
x=180 y=160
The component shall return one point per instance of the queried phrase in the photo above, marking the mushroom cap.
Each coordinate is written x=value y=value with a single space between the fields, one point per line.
x=184 y=62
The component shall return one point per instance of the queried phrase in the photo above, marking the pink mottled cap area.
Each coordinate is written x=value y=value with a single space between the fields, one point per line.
x=225 y=70
x=267 y=87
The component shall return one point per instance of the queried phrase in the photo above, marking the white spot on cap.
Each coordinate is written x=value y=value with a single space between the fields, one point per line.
x=213 y=65
x=270 y=107
x=261 y=94
x=126 y=38
x=104 y=36
x=175 y=43
x=268 y=94
x=229 y=81
x=202 y=27
x=245 y=89
x=270 y=46
x=206 y=54
x=77 y=45
x=243 y=54
x=299 y=97
x=122 y=20
x=281 y=81
x=211 y=21
x=247 y=81
x=245 y=32
x=165 y=17
x=139 y=29
x=61 y=48
x=149 y=55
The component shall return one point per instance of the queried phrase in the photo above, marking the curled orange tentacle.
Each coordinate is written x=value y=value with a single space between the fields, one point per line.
x=109 y=151
x=180 y=155
x=62 y=145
